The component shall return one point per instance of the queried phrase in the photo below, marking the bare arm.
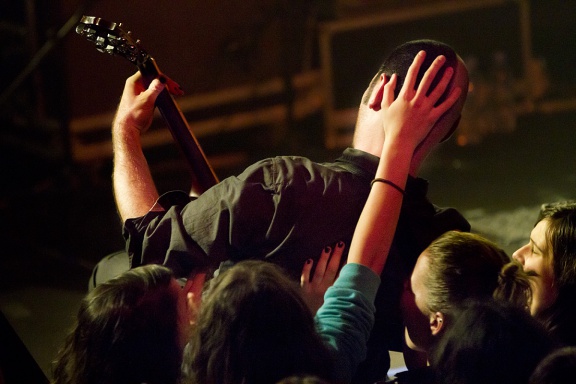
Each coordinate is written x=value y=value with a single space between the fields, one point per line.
x=134 y=189
x=406 y=122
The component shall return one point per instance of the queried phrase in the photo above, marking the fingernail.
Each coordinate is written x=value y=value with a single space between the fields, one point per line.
x=308 y=261
x=327 y=249
x=340 y=244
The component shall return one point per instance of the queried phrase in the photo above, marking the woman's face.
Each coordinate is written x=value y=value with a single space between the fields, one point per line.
x=414 y=309
x=536 y=256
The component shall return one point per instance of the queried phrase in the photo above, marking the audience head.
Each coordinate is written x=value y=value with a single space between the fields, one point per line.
x=559 y=367
x=131 y=329
x=489 y=341
x=550 y=256
x=254 y=327
x=368 y=125
x=456 y=267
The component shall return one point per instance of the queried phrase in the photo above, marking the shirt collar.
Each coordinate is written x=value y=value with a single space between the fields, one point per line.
x=358 y=162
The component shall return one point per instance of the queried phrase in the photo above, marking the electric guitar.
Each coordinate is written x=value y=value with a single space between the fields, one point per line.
x=110 y=38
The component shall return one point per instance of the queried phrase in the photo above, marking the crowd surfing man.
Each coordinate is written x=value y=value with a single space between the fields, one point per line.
x=254 y=327
x=284 y=209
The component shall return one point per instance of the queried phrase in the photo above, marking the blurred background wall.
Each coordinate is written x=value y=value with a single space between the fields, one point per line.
x=261 y=77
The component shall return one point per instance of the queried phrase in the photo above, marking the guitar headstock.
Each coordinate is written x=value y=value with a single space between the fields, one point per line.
x=112 y=39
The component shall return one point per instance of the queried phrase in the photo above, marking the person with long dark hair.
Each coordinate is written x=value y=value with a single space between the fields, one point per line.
x=131 y=329
x=550 y=256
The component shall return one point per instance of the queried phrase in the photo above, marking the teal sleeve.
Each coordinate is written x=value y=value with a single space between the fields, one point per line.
x=346 y=318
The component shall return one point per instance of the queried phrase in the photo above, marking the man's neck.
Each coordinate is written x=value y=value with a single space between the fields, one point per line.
x=374 y=146
x=368 y=137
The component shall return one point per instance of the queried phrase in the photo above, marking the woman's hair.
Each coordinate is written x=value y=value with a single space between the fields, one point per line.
x=561 y=240
x=559 y=367
x=514 y=286
x=465 y=265
x=254 y=328
x=126 y=332
x=489 y=341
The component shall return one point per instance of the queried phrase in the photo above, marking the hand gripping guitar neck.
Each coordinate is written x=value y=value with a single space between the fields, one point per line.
x=112 y=39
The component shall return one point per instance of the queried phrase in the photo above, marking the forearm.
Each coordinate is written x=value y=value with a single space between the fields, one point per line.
x=134 y=189
x=347 y=317
x=407 y=120
x=375 y=229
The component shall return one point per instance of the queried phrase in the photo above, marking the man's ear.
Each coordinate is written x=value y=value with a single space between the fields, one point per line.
x=436 y=323
x=375 y=101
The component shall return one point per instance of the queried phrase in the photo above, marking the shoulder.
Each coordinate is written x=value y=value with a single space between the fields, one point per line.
x=300 y=172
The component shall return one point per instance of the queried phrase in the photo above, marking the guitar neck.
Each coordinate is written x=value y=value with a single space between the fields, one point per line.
x=202 y=175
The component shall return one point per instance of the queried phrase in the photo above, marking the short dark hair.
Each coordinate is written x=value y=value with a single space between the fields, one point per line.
x=400 y=59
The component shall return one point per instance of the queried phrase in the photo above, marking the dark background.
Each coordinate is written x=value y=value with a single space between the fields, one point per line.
x=58 y=215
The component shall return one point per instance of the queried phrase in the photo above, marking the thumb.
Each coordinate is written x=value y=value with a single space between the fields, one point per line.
x=154 y=89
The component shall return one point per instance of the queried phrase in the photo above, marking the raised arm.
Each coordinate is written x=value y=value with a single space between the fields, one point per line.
x=346 y=318
x=406 y=122
x=134 y=188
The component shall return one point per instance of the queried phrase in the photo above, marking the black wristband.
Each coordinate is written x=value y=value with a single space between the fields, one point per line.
x=395 y=186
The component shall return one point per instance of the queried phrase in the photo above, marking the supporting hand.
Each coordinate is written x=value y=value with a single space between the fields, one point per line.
x=326 y=272
x=410 y=117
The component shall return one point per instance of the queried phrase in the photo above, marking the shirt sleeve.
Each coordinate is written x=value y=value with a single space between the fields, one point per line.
x=228 y=221
x=346 y=318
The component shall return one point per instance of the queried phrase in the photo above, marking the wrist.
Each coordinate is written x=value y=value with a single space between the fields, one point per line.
x=398 y=147
x=125 y=138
